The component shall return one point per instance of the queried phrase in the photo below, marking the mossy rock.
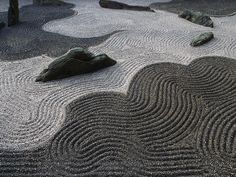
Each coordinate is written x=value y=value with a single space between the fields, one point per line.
x=202 y=39
x=76 y=61
x=197 y=18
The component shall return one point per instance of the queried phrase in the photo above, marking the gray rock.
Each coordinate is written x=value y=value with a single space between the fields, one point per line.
x=2 y=25
x=76 y=61
x=13 y=13
x=202 y=39
x=118 y=5
x=197 y=17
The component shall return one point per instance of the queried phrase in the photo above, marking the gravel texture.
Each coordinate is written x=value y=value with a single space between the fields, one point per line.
x=171 y=121
x=160 y=111
x=29 y=40
x=217 y=8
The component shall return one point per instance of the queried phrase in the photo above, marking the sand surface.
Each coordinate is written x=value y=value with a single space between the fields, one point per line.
x=163 y=120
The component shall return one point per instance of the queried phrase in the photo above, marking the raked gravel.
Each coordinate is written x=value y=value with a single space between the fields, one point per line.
x=31 y=113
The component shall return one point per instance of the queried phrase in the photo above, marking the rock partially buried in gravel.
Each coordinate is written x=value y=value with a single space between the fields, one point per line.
x=202 y=39
x=118 y=5
x=76 y=61
x=2 y=25
x=197 y=18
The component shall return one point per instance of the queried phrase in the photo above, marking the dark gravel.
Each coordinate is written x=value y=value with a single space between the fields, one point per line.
x=172 y=122
x=210 y=7
x=27 y=39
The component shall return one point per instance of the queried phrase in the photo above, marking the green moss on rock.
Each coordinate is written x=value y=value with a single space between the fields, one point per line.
x=197 y=18
x=202 y=39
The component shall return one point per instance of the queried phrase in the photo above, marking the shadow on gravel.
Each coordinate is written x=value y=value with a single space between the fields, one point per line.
x=210 y=7
x=28 y=39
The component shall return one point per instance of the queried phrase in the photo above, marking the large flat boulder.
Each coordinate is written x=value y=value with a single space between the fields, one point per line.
x=197 y=18
x=118 y=5
x=202 y=39
x=76 y=61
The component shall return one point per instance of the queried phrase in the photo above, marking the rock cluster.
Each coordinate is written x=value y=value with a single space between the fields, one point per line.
x=76 y=61
x=197 y=17
x=118 y=5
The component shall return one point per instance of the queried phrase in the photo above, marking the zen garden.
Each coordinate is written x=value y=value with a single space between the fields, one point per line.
x=117 y=88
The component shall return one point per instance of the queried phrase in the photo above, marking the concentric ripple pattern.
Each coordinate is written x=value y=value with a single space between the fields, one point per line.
x=174 y=120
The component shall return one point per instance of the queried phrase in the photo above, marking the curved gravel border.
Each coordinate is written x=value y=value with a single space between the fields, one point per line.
x=212 y=7
x=47 y=129
x=144 y=37
x=170 y=121
x=161 y=31
x=29 y=40
x=31 y=112
x=4 y=4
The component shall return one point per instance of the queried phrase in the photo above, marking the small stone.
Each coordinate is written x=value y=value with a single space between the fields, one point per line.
x=118 y=5
x=202 y=39
x=76 y=61
x=197 y=18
